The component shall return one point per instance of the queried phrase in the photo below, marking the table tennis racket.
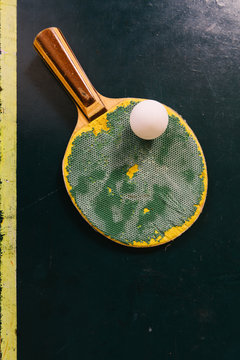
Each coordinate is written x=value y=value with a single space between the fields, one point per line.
x=136 y=192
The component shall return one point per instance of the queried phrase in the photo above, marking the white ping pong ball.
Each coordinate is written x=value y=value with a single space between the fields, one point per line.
x=149 y=119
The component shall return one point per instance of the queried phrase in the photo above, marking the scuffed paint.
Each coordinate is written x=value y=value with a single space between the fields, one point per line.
x=96 y=126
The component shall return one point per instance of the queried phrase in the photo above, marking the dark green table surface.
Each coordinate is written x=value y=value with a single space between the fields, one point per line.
x=80 y=296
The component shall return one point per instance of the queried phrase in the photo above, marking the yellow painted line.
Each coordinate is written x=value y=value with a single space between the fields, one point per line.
x=8 y=99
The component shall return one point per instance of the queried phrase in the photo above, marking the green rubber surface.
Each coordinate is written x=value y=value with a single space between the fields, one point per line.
x=139 y=206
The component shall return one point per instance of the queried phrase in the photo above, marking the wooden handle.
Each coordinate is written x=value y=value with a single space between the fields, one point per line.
x=54 y=49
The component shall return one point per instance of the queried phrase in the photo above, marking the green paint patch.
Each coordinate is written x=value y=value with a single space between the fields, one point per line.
x=189 y=175
x=111 y=192
x=81 y=187
x=127 y=187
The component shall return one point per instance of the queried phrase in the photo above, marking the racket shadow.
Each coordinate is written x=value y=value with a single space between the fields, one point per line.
x=52 y=93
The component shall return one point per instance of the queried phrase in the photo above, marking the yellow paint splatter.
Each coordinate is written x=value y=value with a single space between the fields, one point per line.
x=146 y=210
x=132 y=171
